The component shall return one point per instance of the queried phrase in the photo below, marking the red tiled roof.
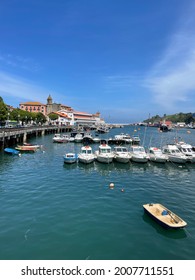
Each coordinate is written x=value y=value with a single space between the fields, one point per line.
x=62 y=115
x=81 y=113
x=83 y=117
x=32 y=103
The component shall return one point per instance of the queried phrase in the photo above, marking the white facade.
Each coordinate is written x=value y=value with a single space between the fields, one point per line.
x=74 y=118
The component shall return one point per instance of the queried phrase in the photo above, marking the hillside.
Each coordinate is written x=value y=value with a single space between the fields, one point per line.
x=179 y=117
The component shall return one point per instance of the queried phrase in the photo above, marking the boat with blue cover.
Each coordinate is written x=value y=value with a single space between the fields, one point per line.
x=11 y=151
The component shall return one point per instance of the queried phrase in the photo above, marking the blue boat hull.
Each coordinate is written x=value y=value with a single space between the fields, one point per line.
x=11 y=151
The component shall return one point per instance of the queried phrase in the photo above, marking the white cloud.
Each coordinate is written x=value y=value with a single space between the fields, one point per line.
x=11 y=86
x=172 y=79
x=19 y=62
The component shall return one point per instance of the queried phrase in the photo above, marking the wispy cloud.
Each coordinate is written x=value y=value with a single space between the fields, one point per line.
x=19 y=62
x=172 y=79
x=11 y=86
x=120 y=82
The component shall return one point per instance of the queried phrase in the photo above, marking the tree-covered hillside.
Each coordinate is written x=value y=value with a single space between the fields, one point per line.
x=180 y=117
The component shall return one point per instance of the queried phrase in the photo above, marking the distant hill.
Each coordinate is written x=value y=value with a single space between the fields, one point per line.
x=180 y=117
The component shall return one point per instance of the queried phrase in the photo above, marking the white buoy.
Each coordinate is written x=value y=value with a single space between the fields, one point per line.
x=111 y=185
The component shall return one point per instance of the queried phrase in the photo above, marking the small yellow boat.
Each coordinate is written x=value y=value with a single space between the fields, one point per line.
x=164 y=216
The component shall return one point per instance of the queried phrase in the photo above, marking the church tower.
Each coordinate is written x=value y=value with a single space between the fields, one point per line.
x=49 y=104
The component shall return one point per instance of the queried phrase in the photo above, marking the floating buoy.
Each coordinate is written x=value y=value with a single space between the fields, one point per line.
x=188 y=131
x=111 y=186
x=122 y=190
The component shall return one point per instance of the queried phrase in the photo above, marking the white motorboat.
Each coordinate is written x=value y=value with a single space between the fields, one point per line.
x=121 y=154
x=86 y=155
x=58 y=138
x=135 y=140
x=87 y=138
x=78 y=138
x=174 y=154
x=104 y=154
x=138 y=154
x=96 y=139
x=124 y=137
x=71 y=139
x=156 y=155
x=187 y=150
x=102 y=129
x=70 y=158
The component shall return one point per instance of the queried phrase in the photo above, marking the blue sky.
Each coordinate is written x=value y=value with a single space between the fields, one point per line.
x=124 y=58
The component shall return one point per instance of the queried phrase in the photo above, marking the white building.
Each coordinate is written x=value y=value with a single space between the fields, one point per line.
x=77 y=118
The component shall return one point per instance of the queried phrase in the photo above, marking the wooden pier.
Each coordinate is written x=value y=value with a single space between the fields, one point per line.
x=12 y=136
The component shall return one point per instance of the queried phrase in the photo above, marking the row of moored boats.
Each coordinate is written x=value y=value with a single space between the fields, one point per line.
x=89 y=138
x=176 y=153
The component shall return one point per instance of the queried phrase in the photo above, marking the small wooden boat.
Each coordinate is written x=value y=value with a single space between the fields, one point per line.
x=31 y=145
x=11 y=151
x=164 y=216
x=24 y=148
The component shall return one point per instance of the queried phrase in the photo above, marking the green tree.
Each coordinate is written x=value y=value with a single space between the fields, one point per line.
x=53 y=116
x=3 y=110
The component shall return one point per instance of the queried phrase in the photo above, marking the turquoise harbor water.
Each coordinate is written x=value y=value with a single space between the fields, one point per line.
x=49 y=210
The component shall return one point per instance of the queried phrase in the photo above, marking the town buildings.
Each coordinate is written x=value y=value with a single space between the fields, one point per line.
x=33 y=107
x=66 y=114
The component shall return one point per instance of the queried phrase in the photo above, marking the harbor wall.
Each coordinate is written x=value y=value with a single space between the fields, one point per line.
x=12 y=136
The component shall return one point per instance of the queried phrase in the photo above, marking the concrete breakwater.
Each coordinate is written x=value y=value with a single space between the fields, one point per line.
x=12 y=136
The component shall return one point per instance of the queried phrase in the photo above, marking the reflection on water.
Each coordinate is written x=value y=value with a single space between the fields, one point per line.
x=169 y=233
x=169 y=169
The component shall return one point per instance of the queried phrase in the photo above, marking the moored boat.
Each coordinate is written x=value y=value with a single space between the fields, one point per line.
x=155 y=154
x=87 y=139
x=31 y=145
x=136 y=140
x=187 y=150
x=123 y=137
x=78 y=138
x=121 y=154
x=174 y=154
x=164 y=216
x=58 y=138
x=138 y=154
x=104 y=154
x=70 y=158
x=96 y=139
x=24 y=148
x=86 y=155
x=11 y=151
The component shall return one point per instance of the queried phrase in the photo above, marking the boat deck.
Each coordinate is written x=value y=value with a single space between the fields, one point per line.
x=164 y=215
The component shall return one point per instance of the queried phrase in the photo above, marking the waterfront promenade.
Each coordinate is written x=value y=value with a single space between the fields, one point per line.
x=11 y=136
